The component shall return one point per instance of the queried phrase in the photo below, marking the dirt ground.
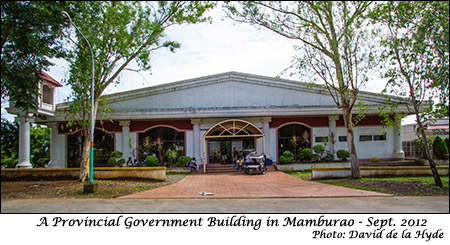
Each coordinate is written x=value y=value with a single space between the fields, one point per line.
x=63 y=189
x=399 y=188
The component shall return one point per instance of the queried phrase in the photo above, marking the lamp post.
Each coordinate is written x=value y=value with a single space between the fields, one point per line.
x=91 y=155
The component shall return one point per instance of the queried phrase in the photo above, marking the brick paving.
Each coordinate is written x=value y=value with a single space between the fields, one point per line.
x=273 y=184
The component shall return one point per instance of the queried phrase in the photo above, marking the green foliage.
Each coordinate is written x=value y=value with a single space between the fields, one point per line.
x=322 y=154
x=31 y=34
x=171 y=156
x=286 y=158
x=120 y=34
x=416 y=54
x=183 y=160
x=342 y=154
x=116 y=159
x=305 y=154
x=10 y=143
x=440 y=149
x=337 y=45
x=152 y=161
x=419 y=147
x=447 y=143
x=319 y=149
x=39 y=145
x=315 y=157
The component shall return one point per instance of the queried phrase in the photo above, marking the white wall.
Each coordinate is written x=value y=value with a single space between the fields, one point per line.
x=364 y=149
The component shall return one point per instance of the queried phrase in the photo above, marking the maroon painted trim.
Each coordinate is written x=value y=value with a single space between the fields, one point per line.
x=140 y=126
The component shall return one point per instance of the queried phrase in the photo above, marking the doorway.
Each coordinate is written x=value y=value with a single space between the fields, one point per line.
x=226 y=150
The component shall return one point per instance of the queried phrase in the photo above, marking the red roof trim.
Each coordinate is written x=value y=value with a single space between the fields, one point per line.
x=48 y=78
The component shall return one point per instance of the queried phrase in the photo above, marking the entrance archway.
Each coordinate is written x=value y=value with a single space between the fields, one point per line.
x=231 y=129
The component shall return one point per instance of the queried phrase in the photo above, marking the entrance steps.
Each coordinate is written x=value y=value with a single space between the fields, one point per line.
x=221 y=168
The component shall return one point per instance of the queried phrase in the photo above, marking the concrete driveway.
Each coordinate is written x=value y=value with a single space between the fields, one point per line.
x=273 y=184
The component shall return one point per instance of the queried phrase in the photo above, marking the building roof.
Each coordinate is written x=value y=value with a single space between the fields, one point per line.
x=50 y=79
x=231 y=95
x=246 y=78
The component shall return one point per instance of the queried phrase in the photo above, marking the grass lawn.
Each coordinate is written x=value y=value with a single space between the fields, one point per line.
x=400 y=186
x=74 y=189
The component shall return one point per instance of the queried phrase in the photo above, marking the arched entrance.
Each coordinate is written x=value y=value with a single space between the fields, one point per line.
x=222 y=136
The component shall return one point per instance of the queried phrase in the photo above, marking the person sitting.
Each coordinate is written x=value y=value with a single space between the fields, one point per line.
x=129 y=162
x=193 y=165
x=239 y=162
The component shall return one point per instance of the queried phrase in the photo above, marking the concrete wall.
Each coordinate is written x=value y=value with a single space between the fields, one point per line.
x=322 y=173
x=155 y=173
x=365 y=149
x=308 y=166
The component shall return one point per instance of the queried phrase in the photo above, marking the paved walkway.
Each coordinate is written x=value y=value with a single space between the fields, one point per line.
x=273 y=184
x=403 y=204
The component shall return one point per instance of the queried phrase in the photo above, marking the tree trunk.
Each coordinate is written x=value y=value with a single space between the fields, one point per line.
x=354 y=162
x=84 y=165
x=437 y=179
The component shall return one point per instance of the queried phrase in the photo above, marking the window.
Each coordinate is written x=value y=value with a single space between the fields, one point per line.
x=365 y=138
x=158 y=141
x=322 y=139
x=379 y=137
x=286 y=138
x=342 y=138
x=47 y=94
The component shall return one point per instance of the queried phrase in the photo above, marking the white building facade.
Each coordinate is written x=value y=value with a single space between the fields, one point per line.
x=204 y=116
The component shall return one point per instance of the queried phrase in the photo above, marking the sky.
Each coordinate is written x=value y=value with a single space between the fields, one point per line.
x=206 y=49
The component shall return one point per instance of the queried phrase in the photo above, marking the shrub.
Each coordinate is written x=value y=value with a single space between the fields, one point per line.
x=171 y=156
x=305 y=154
x=183 y=160
x=342 y=154
x=116 y=159
x=319 y=149
x=151 y=161
x=328 y=157
x=323 y=153
x=419 y=147
x=315 y=157
x=286 y=157
x=447 y=142
x=440 y=149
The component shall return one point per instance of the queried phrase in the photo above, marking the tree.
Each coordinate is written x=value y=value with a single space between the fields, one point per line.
x=334 y=46
x=119 y=33
x=10 y=140
x=417 y=56
x=30 y=38
x=40 y=145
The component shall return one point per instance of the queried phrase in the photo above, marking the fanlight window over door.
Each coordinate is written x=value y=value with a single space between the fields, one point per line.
x=233 y=128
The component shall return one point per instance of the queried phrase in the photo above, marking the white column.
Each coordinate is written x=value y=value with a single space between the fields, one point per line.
x=332 y=132
x=125 y=139
x=398 y=151
x=24 y=141
x=266 y=130
x=196 y=139
x=55 y=159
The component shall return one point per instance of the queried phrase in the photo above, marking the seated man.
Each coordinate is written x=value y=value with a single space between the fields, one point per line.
x=239 y=162
x=193 y=165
